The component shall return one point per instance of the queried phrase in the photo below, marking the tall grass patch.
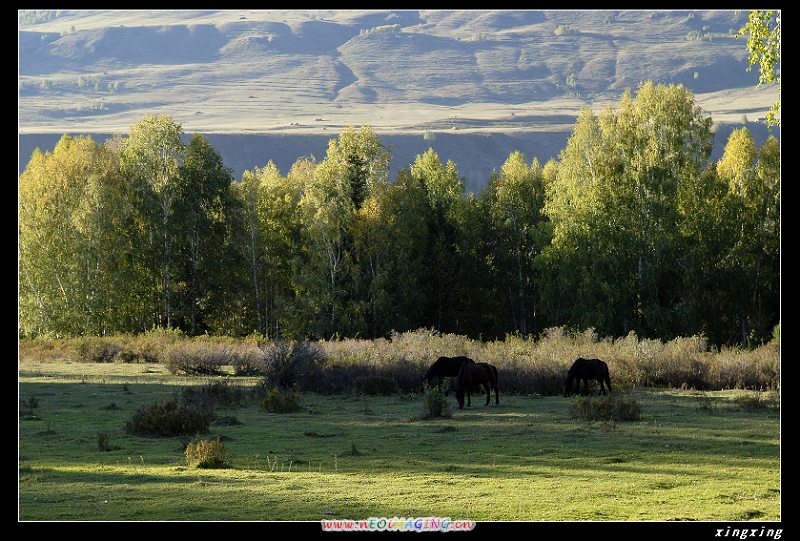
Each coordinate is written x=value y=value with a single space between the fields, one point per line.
x=281 y=401
x=167 y=418
x=754 y=401
x=207 y=454
x=606 y=408
x=435 y=405
x=533 y=365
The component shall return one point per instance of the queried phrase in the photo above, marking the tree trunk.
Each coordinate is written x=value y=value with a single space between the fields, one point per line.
x=639 y=299
x=745 y=338
x=195 y=250
x=523 y=323
x=168 y=267
x=255 y=277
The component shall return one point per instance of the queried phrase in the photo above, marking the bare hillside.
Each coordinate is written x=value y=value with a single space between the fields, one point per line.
x=401 y=71
x=276 y=85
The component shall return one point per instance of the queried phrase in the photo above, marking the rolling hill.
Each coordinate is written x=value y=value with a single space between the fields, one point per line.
x=482 y=82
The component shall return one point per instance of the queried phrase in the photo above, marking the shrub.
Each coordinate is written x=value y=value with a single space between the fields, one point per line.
x=102 y=442
x=248 y=361
x=375 y=385
x=25 y=411
x=207 y=454
x=196 y=358
x=705 y=403
x=152 y=346
x=112 y=406
x=606 y=408
x=97 y=349
x=435 y=405
x=758 y=401
x=227 y=420
x=217 y=393
x=168 y=419
x=279 y=401
x=570 y=81
x=290 y=364
x=564 y=29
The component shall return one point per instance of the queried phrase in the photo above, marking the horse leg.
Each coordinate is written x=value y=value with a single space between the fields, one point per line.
x=488 y=388
x=602 y=387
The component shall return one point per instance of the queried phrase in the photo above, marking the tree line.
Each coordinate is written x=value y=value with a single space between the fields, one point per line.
x=632 y=228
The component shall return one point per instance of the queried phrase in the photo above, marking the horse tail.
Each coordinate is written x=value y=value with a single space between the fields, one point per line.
x=608 y=378
x=496 y=388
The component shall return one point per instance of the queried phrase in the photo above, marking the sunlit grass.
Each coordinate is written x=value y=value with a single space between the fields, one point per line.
x=523 y=460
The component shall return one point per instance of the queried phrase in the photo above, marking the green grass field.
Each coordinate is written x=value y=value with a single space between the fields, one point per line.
x=692 y=456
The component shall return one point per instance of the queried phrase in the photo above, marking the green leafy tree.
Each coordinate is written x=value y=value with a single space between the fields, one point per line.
x=402 y=212
x=752 y=176
x=273 y=245
x=150 y=160
x=354 y=165
x=80 y=270
x=615 y=215
x=50 y=245
x=763 y=33
x=249 y=193
x=446 y=203
x=203 y=213
x=513 y=202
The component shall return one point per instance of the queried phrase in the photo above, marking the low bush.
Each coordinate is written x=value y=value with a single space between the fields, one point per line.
x=167 y=418
x=292 y=364
x=248 y=361
x=210 y=395
x=196 y=358
x=758 y=401
x=97 y=349
x=606 y=408
x=227 y=420
x=280 y=401
x=32 y=402
x=705 y=403
x=375 y=385
x=208 y=454
x=435 y=405
x=525 y=365
x=102 y=442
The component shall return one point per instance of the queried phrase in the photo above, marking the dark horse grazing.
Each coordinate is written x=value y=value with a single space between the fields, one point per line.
x=476 y=374
x=586 y=369
x=444 y=367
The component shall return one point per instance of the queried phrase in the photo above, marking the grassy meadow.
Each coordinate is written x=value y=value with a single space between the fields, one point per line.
x=693 y=455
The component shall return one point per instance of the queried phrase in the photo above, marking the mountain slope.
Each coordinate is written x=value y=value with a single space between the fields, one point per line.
x=302 y=72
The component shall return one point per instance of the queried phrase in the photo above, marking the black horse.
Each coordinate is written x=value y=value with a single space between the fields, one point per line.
x=476 y=374
x=586 y=369
x=444 y=367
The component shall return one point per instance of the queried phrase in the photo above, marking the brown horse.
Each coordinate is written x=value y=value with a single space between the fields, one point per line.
x=586 y=369
x=444 y=367
x=476 y=374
